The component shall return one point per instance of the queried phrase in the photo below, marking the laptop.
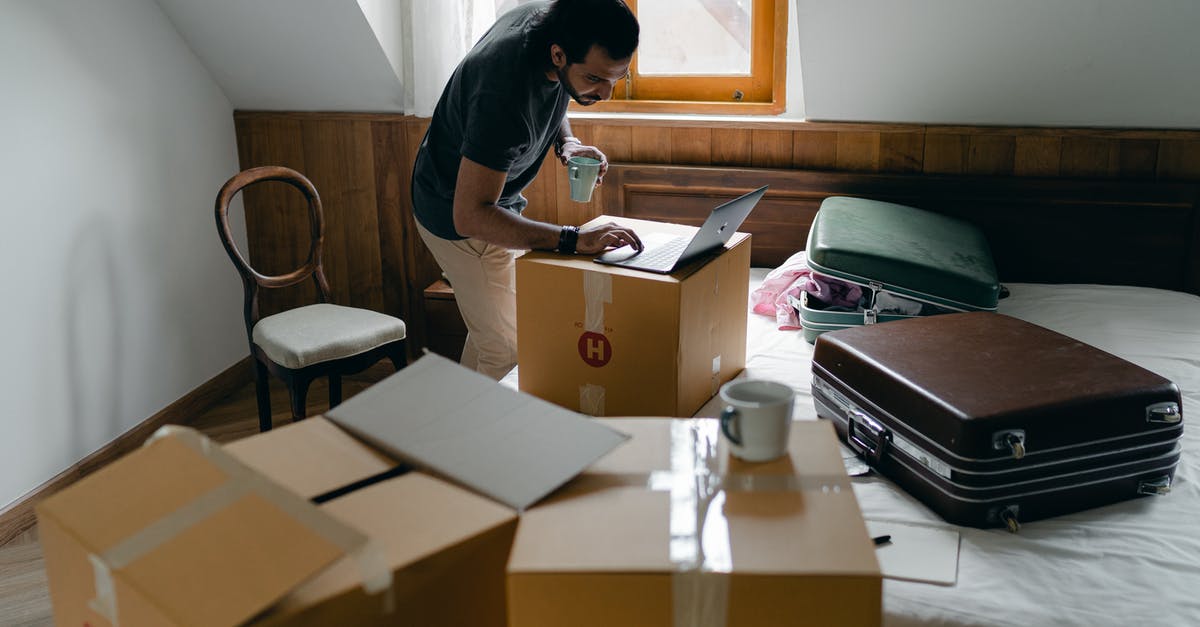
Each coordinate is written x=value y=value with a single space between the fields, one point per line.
x=664 y=253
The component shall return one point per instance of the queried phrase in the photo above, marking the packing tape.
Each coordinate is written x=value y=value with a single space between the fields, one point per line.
x=700 y=549
x=591 y=399
x=242 y=480
x=715 y=379
x=714 y=337
x=597 y=291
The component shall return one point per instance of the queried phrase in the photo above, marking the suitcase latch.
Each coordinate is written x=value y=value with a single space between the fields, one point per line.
x=870 y=316
x=1164 y=413
x=866 y=436
x=1012 y=440
x=1156 y=487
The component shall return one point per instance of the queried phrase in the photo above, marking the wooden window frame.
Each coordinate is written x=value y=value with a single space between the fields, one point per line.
x=763 y=90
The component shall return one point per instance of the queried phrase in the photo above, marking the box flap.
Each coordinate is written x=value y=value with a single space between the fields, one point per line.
x=310 y=457
x=231 y=546
x=466 y=427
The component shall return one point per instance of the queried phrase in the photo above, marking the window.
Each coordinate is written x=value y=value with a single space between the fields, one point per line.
x=706 y=56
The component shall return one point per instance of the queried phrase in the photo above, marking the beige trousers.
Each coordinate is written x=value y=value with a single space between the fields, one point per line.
x=485 y=287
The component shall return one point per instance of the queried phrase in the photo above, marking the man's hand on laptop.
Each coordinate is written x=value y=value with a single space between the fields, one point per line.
x=595 y=239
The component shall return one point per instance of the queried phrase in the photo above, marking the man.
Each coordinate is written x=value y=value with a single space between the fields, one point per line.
x=503 y=108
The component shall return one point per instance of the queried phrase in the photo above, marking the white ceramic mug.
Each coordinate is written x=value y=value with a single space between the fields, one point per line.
x=757 y=418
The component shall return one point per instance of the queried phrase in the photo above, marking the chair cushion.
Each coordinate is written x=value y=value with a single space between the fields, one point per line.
x=315 y=333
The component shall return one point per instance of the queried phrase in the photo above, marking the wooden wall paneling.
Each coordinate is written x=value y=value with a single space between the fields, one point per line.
x=858 y=151
x=691 y=145
x=901 y=152
x=420 y=268
x=615 y=141
x=770 y=149
x=569 y=211
x=542 y=193
x=731 y=146
x=945 y=153
x=1041 y=230
x=991 y=155
x=393 y=178
x=338 y=153
x=276 y=215
x=814 y=150
x=685 y=195
x=1179 y=159
x=651 y=144
x=1035 y=155
x=1088 y=157
x=1137 y=158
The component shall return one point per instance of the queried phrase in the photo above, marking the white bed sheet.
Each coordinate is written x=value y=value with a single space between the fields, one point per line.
x=1136 y=562
x=1132 y=563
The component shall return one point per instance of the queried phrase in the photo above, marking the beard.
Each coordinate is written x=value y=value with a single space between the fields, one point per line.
x=571 y=91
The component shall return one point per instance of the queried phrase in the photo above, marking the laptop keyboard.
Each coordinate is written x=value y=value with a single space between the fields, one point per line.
x=662 y=257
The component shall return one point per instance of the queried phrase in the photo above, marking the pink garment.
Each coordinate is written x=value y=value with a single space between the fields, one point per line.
x=834 y=292
x=771 y=298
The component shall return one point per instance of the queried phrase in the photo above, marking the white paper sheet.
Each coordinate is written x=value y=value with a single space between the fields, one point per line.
x=916 y=552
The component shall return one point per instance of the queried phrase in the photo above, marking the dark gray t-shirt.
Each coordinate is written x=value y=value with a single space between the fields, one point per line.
x=498 y=110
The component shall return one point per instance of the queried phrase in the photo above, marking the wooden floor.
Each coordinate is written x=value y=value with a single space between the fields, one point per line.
x=24 y=597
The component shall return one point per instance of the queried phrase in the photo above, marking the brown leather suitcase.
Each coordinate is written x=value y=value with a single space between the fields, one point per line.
x=992 y=421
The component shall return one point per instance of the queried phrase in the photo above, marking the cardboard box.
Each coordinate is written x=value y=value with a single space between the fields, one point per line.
x=445 y=547
x=669 y=530
x=186 y=532
x=179 y=533
x=609 y=341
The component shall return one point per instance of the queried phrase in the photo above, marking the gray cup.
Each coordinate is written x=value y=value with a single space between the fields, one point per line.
x=582 y=173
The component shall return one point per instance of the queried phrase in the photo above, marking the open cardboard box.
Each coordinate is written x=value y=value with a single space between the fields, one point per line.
x=154 y=539
x=611 y=341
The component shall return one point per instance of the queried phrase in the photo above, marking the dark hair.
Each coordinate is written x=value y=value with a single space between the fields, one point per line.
x=577 y=25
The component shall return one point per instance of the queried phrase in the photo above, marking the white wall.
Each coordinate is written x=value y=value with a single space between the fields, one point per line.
x=386 y=19
x=291 y=55
x=1108 y=63
x=118 y=298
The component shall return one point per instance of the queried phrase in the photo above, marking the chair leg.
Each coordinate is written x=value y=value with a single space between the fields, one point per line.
x=335 y=390
x=262 y=390
x=399 y=357
x=298 y=394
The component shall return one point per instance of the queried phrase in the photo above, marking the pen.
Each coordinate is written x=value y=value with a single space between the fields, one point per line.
x=879 y=540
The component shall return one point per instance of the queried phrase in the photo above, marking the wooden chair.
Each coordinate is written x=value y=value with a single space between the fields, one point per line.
x=305 y=343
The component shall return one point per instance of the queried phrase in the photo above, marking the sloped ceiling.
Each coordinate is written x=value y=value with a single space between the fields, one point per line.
x=290 y=55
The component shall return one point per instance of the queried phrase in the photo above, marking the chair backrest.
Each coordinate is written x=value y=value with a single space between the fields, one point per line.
x=252 y=280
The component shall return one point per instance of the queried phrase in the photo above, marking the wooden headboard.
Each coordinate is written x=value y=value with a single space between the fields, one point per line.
x=1143 y=233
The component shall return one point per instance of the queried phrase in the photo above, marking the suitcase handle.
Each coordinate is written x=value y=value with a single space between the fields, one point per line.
x=866 y=436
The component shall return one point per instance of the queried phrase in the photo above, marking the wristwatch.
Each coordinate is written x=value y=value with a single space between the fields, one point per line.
x=567 y=238
x=558 y=145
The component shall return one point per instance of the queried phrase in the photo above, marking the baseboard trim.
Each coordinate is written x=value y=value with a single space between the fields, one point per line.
x=19 y=517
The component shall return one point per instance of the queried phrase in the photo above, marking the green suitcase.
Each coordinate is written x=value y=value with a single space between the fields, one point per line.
x=908 y=262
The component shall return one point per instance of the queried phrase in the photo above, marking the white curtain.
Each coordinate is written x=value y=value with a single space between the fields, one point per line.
x=436 y=34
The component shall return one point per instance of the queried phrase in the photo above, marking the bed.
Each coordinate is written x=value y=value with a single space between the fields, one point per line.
x=1129 y=563
x=1113 y=264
